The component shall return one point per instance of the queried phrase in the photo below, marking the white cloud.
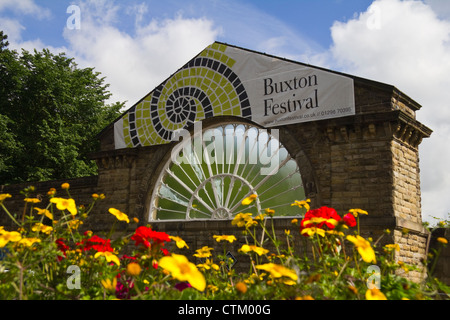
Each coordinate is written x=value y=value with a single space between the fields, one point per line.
x=406 y=44
x=27 y=7
x=134 y=63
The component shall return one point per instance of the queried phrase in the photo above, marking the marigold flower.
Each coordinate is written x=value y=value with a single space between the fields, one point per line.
x=109 y=285
x=39 y=227
x=302 y=204
x=65 y=186
x=241 y=287
x=32 y=200
x=4 y=196
x=133 y=269
x=110 y=257
x=270 y=212
x=65 y=204
x=204 y=252
x=247 y=248
x=278 y=271
x=230 y=239
x=375 y=294
x=179 y=242
x=442 y=240
x=44 y=212
x=242 y=219
x=390 y=247
x=181 y=269
x=208 y=265
x=75 y=224
x=28 y=242
x=312 y=231
x=249 y=199
x=356 y=212
x=119 y=215
x=364 y=248
x=7 y=236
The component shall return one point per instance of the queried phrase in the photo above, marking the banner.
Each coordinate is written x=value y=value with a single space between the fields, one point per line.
x=226 y=80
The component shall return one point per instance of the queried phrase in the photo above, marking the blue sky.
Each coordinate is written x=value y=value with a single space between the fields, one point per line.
x=137 y=44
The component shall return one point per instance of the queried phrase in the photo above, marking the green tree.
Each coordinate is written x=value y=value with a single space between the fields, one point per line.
x=50 y=114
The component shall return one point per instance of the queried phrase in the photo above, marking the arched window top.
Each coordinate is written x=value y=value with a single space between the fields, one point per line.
x=212 y=170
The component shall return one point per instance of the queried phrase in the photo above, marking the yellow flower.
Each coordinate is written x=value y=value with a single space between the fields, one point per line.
x=390 y=247
x=312 y=231
x=65 y=204
x=6 y=236
x=375 y=294
x=65 y=186
x=247 y=248
x=442 y=240
x=29 y=241
x=133 y=269
x=249 y=199
x=109 y=285
x=136 y=220
x=110 y=257
x=355 y=212
x=230 y=239
x=44 y=212
x=364 y=248
x=179 y=242
x=181 y=269
x=302 y=204
x=243 y=220
x=208 y=265
x=203 y=252
x=307 y=297
x=119 y=215
x=74 y=224
x=270 y=212
x=39 y=227
x=4 y=196
x=212 y=288
x=278 y=271
x=32 y=200
x=294 y=221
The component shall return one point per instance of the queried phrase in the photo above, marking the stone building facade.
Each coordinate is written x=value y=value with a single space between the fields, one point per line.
x=369 y=160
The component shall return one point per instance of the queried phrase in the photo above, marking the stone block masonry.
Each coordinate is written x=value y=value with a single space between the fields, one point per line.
x=369 y=160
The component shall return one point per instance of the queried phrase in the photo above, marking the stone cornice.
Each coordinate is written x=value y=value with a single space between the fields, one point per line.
x=115 y=159
x=393 y=124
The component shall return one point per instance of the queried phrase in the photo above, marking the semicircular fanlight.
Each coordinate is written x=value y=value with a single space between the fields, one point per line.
x=210 y=174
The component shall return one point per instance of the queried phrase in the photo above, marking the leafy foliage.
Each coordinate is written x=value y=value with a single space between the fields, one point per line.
x=50 y=113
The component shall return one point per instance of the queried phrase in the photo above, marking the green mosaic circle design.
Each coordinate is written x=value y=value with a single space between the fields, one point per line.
x=203 y=88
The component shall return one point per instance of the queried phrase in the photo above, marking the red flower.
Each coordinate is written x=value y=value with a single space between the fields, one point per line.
x=350 y=220
x=62 y=247
x=318 y=218
x=96 y=243
x=145 y=234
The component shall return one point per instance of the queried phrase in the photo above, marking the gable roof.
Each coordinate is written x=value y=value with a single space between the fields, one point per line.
x=220 y=60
